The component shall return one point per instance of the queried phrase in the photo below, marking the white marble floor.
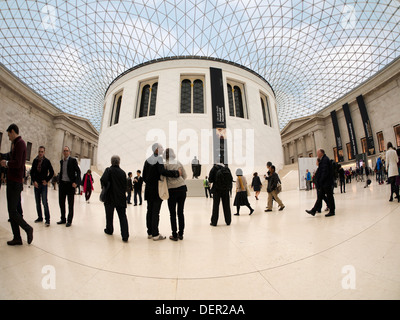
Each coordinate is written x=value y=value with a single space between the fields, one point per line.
x=276 y=255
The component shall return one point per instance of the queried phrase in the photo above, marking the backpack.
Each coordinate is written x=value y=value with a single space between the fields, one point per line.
x=223 y=179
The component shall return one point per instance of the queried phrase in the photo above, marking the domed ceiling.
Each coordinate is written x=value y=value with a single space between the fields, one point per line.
x=311 y=52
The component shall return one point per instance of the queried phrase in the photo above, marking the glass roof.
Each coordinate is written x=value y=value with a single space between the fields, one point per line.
x=311 y=52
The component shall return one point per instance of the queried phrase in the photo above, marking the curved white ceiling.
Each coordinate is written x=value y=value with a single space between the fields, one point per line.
x=311 y=52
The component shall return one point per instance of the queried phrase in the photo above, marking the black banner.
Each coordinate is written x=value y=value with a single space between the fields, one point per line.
x=337 y=136
x=218 y=116
x=350 y=129
x=366 y=125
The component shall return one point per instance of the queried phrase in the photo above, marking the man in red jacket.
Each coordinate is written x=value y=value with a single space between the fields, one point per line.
x=15 y=177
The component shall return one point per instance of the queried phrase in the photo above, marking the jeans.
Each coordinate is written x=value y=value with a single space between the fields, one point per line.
x=153 y=215
x=380 y=176
x=137 y=192
x=176 y=203
x=128 y=196
x=41 y=194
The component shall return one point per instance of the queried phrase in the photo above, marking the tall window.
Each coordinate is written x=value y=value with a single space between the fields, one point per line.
x=266 y=110
x=148 y=98
x=236 y=99
x=364 y=145
x=397 y=134
x=28 y=151
x=116 y=108
x=381 y=141
x=192 y=94
x=349 y=151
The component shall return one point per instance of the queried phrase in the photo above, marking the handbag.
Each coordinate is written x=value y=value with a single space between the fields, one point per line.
x=104 y=191
x=278 y=187
x=163 y=188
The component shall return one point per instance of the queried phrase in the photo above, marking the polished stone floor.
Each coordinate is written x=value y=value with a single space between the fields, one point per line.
x=277 y=255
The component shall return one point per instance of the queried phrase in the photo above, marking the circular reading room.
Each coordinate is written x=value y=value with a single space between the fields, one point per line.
x=207 y=110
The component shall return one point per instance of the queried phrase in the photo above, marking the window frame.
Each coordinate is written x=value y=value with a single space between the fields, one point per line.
x=234 y=83
x=397 y=134
x=265 y=109
x=116 y=108
x=381 y=141
x=192 y=78
x=150 y=111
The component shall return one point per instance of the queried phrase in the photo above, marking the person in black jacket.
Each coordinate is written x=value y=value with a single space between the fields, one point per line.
x=221 y=178
x=129 y=188
x=115 y=197
x=272 y=190
x=137 y=188
x=324 y=183
x=153 y=168
x=70 y=176
x=41 y=173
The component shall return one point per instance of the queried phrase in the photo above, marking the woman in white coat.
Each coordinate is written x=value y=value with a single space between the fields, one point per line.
x=392 y=170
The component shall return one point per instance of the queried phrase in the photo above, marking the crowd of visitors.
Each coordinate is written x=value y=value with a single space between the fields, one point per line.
x=164 y=178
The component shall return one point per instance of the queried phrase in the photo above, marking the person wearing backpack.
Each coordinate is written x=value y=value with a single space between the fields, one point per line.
x=273 y=191
x=221 y=178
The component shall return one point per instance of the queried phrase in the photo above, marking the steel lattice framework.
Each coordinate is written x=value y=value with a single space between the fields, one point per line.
x=311 y=52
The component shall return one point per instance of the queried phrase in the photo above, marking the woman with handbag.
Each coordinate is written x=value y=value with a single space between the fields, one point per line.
x=273 y=190
x=242 y=193
x=256 y=184
x=176 y=194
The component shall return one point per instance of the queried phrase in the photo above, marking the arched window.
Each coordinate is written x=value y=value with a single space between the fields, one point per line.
x=230 y=100
x=198 y=97
x=116 y=109
x=266 y=110
x=237 y=107
x=153 y=99
x=263 y=111
x=148 y=98
x=144 y=103
x=186 y=96
x=192 y=95
x=237 y=93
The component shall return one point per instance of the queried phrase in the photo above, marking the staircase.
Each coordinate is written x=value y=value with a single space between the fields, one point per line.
x=289 y=176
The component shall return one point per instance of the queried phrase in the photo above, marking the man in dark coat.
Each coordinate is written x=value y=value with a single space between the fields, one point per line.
x=115 y=197
x=152 y=169
x=15 y=176
x=70 y=176
x=324 y=183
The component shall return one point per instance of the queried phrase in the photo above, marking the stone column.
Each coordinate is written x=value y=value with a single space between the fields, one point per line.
x=66 y=141
x=285 y=154
x=303 y=146
x=295 y=153
x=77 y=146
x=311 y=135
